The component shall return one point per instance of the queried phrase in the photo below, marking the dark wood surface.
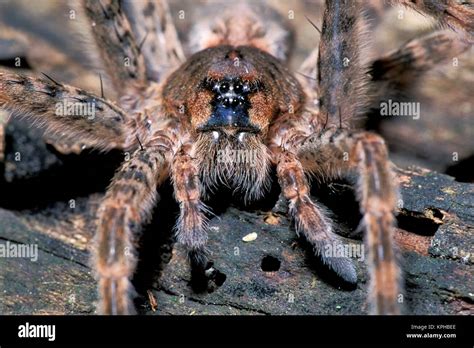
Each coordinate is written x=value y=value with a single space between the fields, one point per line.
x=435 y=236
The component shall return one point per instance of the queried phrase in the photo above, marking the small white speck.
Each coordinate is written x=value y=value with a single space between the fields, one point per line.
x=250 y=237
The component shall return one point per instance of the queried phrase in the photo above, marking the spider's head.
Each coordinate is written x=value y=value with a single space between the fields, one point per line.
x=238 y=97
x=232 y=91
x=230 y=107
x=229 y=95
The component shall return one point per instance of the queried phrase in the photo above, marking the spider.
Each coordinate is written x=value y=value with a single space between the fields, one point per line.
x=175 y=115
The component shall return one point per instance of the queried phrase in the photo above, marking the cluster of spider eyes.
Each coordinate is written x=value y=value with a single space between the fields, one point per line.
x=238 y=87
x=231 y=93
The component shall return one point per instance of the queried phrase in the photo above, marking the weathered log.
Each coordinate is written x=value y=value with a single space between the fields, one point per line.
x=272 y=274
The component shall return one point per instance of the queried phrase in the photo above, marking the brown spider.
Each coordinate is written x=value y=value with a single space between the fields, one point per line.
x=175 y=116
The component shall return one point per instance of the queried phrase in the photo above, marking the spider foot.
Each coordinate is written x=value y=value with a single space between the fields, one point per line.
x=341 y=265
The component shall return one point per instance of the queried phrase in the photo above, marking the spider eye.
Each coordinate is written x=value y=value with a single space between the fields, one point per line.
x=224 y=87
x=238 y=88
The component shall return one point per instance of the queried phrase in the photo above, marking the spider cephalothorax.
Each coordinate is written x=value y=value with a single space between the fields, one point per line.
x=230 y=95
x=226 y=115
x=239 y=89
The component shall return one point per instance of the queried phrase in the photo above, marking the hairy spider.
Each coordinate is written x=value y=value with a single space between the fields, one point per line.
x=175 y=115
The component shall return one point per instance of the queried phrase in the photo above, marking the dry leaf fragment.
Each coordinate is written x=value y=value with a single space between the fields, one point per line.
x=152 y=300
x=272 y=219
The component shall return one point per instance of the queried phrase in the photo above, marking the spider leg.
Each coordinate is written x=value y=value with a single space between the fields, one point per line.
x=373 y=11
x=342 y=87
x=400 y=69
x=153 y=26
x=70 y=112
x=28 y=51
x=115 y=42
x=366 y=153
x=341 y=76
x=192 y=223
x=310 y=220
x=457 y=15
x=126 y=205
x=328 y=150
